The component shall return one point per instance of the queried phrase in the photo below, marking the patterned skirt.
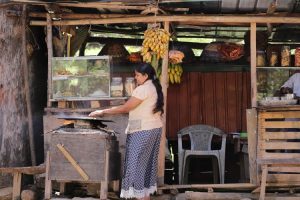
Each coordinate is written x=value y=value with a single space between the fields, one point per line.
x=140 y=167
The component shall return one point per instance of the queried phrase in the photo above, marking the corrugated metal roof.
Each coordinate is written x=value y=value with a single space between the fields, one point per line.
x=197 y=6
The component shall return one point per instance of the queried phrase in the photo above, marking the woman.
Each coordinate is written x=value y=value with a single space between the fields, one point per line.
x=145 y=108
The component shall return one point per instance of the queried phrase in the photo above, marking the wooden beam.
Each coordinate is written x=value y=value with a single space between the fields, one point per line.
x=110 y=5
x=228 y=19
x=234 y=186
x=24 y=170
x=138 y=42
x=78 y=16
x=218 y=195
x=235 y=196
x=253 y=64
x=103 y=5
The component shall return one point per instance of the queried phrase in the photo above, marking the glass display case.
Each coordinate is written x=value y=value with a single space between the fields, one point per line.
x=81 y=78
x=270 y=80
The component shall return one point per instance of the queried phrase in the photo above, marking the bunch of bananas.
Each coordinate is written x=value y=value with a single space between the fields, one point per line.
x=155 y=41
x=175 y=72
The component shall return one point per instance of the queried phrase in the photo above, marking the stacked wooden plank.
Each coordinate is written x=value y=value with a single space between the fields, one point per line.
x=279 y=147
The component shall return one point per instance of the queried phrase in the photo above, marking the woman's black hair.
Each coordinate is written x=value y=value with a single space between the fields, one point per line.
x=146 y=68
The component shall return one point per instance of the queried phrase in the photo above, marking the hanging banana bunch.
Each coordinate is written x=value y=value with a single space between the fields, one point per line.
x=155 y=42
x=175 y=71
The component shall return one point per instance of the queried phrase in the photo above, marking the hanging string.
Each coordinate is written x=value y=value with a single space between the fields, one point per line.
x=155 y=13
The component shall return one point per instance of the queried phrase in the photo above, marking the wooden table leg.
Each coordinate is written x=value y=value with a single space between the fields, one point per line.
x=116 y=186
x=62 y=187
x=263 y=182
x=17 y=185
x=48 y=184
x=103 y=190
x=104 y=184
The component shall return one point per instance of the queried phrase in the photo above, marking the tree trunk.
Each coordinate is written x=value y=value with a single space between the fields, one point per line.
x=14 y=143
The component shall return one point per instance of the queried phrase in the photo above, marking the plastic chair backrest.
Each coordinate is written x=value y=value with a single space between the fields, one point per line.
x=200 y=136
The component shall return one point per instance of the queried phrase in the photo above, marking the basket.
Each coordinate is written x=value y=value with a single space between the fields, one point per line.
x=117 y=51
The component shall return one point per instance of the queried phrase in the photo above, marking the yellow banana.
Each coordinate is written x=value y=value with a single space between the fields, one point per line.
x=171 y=78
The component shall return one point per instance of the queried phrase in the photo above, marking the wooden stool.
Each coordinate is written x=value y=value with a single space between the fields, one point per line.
x=17 y=176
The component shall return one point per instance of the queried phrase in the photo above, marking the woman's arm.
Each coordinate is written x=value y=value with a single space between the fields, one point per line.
x=132 y=103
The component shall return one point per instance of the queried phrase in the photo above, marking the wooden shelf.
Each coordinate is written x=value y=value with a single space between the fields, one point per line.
x=286 y=68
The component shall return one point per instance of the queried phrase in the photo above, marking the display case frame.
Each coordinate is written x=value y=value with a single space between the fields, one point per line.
x=71 y=82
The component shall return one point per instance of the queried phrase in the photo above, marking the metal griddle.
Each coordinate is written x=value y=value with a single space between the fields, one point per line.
x=84 y=118
x=86 y=122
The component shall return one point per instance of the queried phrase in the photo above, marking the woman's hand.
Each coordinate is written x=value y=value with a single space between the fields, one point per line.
x=97 y=113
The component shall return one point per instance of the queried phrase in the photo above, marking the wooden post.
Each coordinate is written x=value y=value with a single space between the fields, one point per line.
x=164 y=84
x=253 y=63
x=252 y=144
x=104 y=183
x=27 y=88
x=50 y=55
x=17 y=185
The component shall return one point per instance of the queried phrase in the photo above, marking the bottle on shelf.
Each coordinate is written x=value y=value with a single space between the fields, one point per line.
x=273 y=62
x=116 y=87
x=285 y=56
x=129 y=86
x=297 y=57
x=260 y=59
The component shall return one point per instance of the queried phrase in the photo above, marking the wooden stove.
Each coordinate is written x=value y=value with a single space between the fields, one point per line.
x=89 y=155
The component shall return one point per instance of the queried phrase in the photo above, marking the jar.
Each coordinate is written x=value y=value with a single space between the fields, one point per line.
x=273 y=59
x=297 y=57
x=129 y=86
x=285 y=56
x=116 y=87
x=260 y=59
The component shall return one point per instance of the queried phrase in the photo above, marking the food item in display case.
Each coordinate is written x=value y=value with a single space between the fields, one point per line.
x=260 y=59
x=129 y=86
x=285 y=56
x=116 y=88
x=297 y=57
x=80 y=77
x=273 y=59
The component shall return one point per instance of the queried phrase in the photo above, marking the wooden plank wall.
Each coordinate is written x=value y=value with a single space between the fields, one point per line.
x=219 y=99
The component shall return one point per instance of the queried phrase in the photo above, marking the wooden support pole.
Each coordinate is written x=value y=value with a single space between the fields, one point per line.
x=164 y=84
x=253 y=64
x=50 y=55
x=27 y=88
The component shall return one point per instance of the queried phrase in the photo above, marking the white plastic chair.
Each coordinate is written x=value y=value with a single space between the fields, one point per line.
x=200 y=138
